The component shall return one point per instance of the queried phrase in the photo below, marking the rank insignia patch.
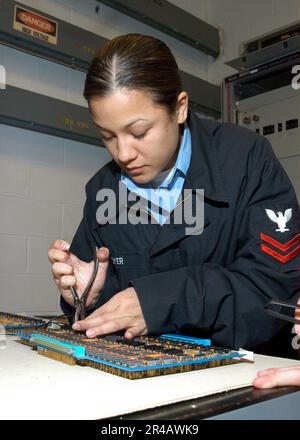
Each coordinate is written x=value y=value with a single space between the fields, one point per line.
x=283 y=252
x=280 y=218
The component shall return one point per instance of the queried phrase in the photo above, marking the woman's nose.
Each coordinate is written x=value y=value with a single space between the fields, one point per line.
x=126 y=152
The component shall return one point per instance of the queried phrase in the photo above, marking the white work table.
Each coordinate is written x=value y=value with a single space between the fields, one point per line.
x=35 y=387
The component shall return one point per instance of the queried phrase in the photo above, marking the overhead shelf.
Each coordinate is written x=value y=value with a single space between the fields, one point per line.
x=172 y=20
x=33 y=111
x=266 y=54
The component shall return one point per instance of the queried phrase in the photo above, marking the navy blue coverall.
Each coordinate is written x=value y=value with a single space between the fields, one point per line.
x=216 y=283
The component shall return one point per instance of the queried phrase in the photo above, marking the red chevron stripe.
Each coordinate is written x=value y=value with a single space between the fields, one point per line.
x=282 y=247
x=281 y=258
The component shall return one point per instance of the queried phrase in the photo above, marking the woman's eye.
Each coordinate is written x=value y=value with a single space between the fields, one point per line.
x=140 y=136
x=107 y=138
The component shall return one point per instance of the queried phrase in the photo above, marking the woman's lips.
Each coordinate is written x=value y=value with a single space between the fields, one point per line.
x=135 y=170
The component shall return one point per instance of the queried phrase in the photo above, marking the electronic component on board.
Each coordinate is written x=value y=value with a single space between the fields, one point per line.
x=143 y=356
x=12 y=322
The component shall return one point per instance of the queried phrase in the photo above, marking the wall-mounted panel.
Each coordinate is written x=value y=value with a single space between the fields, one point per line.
x=32 y=111
x=266 y=54
x=172 y=20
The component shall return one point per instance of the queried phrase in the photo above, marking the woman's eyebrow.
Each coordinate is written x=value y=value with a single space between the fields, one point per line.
x=127 y=125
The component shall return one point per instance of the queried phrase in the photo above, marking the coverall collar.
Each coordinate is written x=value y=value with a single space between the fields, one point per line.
x=204 y=171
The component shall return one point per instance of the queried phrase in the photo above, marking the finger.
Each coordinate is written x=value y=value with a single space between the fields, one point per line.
x=280 y=377
x=59 y=269
x=132 y=332
x=263 y=382
x=272 y=370
x=103 y=254
x=297 y=327
x=100 y=327
x=266 y=371
x=97 y=321
x=107 y=328
x=61 y=245
x=57 y=255
x=137 y=329
x=269 y=371
x=129 y=334
x=67 y=281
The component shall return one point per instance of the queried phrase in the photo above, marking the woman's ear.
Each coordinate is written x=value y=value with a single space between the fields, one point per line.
x=182 y=107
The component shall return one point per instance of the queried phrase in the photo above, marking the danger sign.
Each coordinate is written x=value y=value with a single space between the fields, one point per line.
x=35 y=25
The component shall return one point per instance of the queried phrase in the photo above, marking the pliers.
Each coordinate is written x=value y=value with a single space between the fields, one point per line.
x=80 y=311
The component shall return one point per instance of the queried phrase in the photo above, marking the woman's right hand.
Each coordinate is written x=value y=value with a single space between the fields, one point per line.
x=68 y=270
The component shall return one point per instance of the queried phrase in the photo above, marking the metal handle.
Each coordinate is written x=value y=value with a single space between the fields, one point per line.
x=282 y=315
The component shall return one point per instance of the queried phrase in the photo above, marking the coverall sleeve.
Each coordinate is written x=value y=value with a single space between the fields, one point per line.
x=82 y=246
x=228 y=302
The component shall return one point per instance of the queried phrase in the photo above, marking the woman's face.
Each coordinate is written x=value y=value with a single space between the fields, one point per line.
x=141 y=136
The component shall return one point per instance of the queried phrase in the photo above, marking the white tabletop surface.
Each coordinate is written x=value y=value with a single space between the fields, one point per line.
x=35 y=387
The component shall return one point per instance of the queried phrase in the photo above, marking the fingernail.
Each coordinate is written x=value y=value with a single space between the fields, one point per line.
x=76 y=326
x=91 y=333
x=66 y=245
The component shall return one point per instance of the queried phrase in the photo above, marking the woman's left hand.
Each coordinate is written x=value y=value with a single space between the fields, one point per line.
x=121 y=312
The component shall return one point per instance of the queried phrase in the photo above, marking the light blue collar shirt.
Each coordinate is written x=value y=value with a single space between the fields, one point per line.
x=164 y=190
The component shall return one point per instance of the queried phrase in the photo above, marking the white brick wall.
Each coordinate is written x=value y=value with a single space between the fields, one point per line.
x=42 y=181
x=42 y=177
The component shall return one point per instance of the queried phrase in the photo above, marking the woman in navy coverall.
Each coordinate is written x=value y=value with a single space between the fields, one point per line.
x=155 y=278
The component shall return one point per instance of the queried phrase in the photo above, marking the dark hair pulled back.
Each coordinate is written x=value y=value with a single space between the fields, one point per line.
x=135 y=62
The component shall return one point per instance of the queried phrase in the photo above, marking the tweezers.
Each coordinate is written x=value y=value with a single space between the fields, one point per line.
x=80 y=311
x=282 y=315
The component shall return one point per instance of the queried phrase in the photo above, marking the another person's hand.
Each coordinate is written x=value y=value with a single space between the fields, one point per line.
x=275 y=377
x=68 y=270
x=121 y=312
